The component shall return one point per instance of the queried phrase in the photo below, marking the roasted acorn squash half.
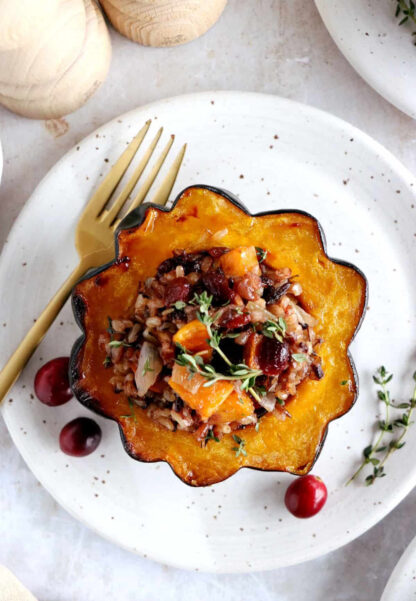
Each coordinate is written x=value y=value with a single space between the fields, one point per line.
x=334 y=292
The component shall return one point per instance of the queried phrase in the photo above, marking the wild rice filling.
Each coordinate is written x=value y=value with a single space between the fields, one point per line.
x=216 y=339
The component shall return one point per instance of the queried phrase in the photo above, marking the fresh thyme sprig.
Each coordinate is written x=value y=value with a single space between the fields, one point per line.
x=406 y=11
x=132 y=406
x=276 y=329
x=261 y=254
x=236 y=372
x=386 y=426
x=195 y=364
x=117 y=343
x=214 y=338
x=240 y=450
x=211 y=436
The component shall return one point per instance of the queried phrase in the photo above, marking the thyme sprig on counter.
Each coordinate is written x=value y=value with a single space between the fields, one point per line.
x=388 y=426
x=406 y=11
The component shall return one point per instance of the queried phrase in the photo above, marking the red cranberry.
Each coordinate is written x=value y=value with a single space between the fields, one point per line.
x=232 y=320
x=52 y=382
x=273 y=356
x=178 y=289
x=217 y=284
x=306 y=496
x=80 y=437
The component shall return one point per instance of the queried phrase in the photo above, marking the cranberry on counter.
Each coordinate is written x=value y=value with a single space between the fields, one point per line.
x=80 y=437
x=52 y=382
x=306 y=496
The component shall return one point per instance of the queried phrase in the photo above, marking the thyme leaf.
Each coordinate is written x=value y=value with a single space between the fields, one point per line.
x=261 y=254
x=239 y=450
x=406 y=12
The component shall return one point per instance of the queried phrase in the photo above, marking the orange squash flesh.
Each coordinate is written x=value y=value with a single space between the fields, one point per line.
x=205 y=400
x=239 y=261
x=334 y=293
x=194 y=337
x=235 y=407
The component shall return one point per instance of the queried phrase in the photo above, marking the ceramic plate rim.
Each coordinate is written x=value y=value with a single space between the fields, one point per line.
x=365 y=72
x=406 y=178
x=390 y=588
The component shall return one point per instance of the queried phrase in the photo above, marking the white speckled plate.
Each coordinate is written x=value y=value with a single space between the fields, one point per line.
x=367 y=33
x=273 y=153
x=402 y=583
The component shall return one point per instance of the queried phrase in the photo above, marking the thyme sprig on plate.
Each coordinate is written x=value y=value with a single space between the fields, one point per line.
x=406 y=11
x=387 y=426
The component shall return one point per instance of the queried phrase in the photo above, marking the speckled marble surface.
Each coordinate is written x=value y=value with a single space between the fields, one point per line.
x=279 y=47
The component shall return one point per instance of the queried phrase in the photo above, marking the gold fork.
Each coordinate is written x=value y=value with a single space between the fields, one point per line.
x=94 y=236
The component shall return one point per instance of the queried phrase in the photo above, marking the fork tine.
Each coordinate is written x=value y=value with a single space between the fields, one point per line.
x=101 y=196
x=162 y=195
x=150 y=178
x=110 y=215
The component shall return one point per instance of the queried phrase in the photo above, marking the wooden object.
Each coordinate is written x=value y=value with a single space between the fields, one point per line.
x=163 y=22
x=22 y=21
x=59 y=70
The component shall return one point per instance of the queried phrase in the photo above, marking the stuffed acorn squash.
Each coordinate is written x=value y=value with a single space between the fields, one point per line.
x=217 y=339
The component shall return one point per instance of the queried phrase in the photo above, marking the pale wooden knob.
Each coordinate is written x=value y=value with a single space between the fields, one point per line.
x=50 y=54
x=163 y=22
x=21 y=21
x=47 y=90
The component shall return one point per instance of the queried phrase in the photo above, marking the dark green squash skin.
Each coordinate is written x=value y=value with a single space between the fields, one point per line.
x=135 y=219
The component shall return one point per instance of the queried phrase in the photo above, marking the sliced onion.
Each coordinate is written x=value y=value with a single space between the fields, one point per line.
x=259 y=313
x=191 y=382
x=148 y=368
x=303 y=316
x=268 y=402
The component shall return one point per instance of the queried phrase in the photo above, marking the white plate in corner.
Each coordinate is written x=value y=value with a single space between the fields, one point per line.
x=369 y=36
x=1 y=161
x=402 y=582
x=273 y=153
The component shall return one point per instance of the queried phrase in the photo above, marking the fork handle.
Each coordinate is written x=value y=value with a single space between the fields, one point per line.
x=22 y=354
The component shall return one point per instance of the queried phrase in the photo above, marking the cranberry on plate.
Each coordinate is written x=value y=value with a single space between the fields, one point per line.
x=52 y=382
x=306 y=496
x=80 y=437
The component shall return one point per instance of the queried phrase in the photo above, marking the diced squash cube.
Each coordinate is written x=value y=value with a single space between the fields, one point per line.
x=235 y=407
x=240 y=261
x=205 y=400
x=194 y=337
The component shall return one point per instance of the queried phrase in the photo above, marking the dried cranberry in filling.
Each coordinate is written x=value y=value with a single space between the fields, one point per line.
x=217 y=284
x=189 y=261
x=178 y=289
x=273 y=356
x=218 y=251
x=232 y=320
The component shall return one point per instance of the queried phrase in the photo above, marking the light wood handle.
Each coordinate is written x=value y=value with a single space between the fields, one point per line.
x=22 y=354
